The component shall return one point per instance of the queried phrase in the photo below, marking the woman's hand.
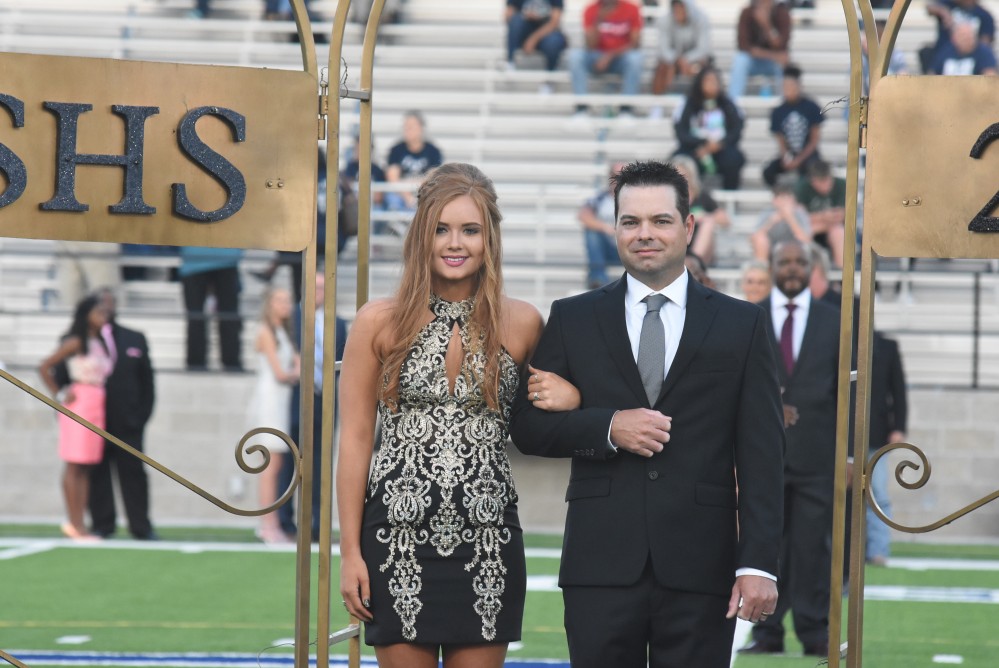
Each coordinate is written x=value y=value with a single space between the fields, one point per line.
x=68 y=396
x=355 y=587
x=550 y=392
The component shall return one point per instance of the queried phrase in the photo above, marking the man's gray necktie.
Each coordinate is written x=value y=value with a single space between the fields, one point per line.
x=652 y=348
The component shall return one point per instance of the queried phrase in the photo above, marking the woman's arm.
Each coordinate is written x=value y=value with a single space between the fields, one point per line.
x=359 y=378
x=267 y=344
x=551 y=392
x=526 y=325
x=71 y=345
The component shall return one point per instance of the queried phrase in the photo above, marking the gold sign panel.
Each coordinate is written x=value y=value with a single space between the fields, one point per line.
x=932 y=171
x=156 y=153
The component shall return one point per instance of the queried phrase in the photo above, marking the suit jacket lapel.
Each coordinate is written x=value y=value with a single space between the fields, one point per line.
x=774 y=344
x=701 y=309
x=808 y=340
x=611 y=320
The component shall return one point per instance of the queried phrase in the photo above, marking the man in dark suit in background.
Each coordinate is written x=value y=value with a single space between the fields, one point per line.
x=679 y=405
x=130 y=397
x=804 y=333
x=286 y=513
x=886 y=424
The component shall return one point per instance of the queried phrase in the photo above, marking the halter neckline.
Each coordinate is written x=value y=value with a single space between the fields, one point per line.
x=453 y=311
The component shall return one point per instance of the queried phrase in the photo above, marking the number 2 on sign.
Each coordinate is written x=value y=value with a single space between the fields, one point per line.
x=983 y=222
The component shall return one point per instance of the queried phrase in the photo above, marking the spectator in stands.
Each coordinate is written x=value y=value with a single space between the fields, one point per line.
x=280 y=10
x=755 y=283
x=361 y=9
x=278 y=368
x=597 y=218
x=216 y=271
x=795 y=124
x=82 y=267
x=613 y=33
x=201 y=9
x=896 y=65
x=350 y=176
x=409 y=160
x=684 y=44
x=709 y=127
x=708 y=216
x=535 y=25
x=698 y=269
x=950 y=14
x=764 y=39
x=785 y=220
x=824 y=198
x=89 y=363
x=963 y=54
x=822 y=288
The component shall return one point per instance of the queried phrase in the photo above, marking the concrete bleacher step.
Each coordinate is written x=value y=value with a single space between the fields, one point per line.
x=443 y=59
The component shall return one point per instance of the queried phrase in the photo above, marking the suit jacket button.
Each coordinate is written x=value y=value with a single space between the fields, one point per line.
x=653 y=475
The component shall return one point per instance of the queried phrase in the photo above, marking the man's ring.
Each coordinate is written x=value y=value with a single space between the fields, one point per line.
x=536 y=396
x=534 y=378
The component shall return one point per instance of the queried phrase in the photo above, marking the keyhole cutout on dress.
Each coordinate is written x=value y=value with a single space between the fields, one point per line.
x=453 y=358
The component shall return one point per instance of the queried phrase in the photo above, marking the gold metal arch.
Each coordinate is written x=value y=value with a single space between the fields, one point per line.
x=879 y=54
x=328 y=122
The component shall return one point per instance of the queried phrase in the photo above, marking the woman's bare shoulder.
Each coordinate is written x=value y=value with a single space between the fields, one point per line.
x=522 y=314
x=523 y=325
x=375 y=313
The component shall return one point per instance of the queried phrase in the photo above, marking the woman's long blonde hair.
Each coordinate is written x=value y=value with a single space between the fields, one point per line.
x=443 y=185
x=267 y=309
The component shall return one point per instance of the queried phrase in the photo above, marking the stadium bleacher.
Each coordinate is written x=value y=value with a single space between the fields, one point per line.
x=443 y=58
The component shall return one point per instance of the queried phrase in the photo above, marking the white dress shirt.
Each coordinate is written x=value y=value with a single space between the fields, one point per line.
x=778 y=313
x=673 y=313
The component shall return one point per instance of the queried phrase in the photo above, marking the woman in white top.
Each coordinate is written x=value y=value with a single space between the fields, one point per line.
x=278 y=369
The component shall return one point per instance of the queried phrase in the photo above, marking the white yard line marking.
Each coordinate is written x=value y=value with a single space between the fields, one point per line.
x=21 y=550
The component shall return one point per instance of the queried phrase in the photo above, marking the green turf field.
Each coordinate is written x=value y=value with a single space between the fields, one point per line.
x=195 y=597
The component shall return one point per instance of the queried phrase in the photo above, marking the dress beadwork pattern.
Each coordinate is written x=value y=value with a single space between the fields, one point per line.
x=441 y=498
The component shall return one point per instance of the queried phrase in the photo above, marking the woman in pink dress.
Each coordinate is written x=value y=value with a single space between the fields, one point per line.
x=89 y=362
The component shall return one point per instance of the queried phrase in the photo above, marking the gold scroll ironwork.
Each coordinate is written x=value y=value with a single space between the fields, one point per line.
x=243 y=448
x=923 y=466
x=911 y=212
x=879 y=55
x=275 y=237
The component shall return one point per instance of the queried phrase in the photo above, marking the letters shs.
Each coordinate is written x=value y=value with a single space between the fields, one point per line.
x=67 y=159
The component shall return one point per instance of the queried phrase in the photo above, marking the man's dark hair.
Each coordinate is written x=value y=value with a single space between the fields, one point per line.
x=653 y=173
x=699 y=260
x=818 y=169
x=792 y=72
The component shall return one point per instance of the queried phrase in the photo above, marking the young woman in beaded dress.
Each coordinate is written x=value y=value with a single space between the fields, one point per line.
x=432 y=557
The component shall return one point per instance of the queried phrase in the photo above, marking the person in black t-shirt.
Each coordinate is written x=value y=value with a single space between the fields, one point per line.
x=409 y=160
x=795 y=124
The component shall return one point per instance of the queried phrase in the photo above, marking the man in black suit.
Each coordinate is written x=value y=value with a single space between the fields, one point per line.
x=286 y=513
x=887 y=424
x=130 y=396
x=804 y=333
x=675 y=490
